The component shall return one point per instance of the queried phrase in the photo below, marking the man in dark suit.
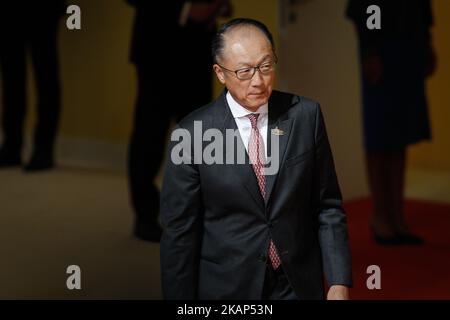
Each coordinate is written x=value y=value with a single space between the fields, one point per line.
x=158 y=33
x=236 y=231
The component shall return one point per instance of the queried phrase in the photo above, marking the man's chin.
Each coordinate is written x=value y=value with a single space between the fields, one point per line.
x=256 y=102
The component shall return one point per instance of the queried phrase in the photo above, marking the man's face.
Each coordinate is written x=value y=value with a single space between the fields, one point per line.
x=246 y=47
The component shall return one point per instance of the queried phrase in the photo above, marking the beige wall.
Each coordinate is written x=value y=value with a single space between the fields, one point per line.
x=99 y=84
x=318 y=59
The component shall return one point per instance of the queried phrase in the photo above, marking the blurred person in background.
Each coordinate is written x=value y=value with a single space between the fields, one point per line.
x=182 y=29
x=395 y=62
x=28 y=26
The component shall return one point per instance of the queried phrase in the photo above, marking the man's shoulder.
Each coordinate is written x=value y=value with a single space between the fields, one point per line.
x=296 y=104
x=293 y=104
x=203 y=114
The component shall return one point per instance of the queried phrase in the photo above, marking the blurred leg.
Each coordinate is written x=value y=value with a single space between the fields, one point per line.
x=13 y=68
x=398 y=186
x=146 y=152
x=378 y=169
x=397 y=175
x=46 y=69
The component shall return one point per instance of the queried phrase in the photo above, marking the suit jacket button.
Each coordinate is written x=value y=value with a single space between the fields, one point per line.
x=270 y=224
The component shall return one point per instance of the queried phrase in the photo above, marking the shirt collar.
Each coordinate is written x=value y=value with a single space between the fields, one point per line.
x=239 y=111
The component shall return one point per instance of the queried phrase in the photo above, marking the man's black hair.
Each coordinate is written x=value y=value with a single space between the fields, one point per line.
x=218 y=41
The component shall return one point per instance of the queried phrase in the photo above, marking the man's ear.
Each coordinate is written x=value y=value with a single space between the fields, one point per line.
x=219 y=73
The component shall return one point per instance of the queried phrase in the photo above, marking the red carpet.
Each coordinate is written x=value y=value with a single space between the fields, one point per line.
x=407 y=272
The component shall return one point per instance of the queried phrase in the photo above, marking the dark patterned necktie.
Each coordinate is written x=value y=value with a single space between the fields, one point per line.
x=258 y=159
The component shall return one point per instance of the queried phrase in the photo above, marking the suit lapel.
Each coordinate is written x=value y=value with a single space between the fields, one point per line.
x=243 y=172
x=278 y=118
x=285 y=127
x=278 y=121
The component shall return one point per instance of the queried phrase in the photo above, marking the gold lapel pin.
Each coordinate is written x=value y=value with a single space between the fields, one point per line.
x=277 y=132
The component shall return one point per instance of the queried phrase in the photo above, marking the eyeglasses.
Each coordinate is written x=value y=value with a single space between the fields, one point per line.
x=248 y=73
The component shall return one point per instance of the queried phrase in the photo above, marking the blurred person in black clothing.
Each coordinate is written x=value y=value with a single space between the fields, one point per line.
x=30 y=26
x=168 y=88
x=395 y=61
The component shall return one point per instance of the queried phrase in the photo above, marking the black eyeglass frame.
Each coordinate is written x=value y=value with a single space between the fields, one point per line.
x=236 y=72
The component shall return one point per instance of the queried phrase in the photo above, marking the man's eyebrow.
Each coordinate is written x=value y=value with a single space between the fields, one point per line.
x=267 y=56
x=247 y=64
x=244 y=65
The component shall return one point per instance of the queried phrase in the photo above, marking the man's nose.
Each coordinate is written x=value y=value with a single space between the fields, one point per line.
x=257 y=78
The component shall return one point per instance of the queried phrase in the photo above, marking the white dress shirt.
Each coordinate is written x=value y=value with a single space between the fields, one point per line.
x=243 y=122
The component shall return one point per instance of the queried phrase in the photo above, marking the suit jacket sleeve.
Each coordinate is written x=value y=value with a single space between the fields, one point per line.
x=333 y=236
x=170 y=10
x=181 y=214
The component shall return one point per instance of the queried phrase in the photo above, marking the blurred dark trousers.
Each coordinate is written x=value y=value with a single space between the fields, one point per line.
x=40 y=39
x=160 y=99
x=147 y=145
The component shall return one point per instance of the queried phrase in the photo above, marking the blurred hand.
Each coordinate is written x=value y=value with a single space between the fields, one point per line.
x=372 y=69
x=431 y=63
x=338 y=292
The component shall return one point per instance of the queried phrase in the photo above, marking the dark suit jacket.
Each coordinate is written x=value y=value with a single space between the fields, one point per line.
x=158 y=37
x=28 y=17
x=217 y=226
x=161 y=49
